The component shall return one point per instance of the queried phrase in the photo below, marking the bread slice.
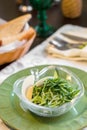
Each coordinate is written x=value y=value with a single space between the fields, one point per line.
x=25 y=35
x=14 y=26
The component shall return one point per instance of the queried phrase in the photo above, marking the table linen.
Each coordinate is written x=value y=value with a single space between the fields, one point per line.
x=39 y=56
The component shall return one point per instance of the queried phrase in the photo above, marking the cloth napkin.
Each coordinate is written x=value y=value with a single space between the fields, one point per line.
x=76 y=54
x=70 y=54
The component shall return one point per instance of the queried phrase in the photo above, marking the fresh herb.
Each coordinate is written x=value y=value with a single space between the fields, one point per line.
x=82 y=45
x=54 y=92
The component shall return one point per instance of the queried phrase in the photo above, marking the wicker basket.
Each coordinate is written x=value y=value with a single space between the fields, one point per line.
x=13 y=55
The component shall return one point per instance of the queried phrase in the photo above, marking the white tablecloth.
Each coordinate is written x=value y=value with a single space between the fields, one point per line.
x=38 y=56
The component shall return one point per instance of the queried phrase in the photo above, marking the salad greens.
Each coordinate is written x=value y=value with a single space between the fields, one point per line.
x=54 y=92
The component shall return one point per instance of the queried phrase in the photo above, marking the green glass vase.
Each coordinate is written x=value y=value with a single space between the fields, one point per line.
x=43 y=29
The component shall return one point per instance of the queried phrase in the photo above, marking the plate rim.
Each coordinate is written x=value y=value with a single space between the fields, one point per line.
x=22 y=71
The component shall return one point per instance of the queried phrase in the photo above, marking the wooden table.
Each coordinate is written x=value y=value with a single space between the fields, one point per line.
x=9 y=10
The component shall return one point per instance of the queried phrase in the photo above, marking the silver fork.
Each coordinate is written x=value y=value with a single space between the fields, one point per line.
x=63 y=45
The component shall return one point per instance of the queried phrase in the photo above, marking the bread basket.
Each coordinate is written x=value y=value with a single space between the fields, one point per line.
x=9 y=55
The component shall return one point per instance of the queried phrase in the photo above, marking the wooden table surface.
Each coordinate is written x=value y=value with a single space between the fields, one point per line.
x=9 y=10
